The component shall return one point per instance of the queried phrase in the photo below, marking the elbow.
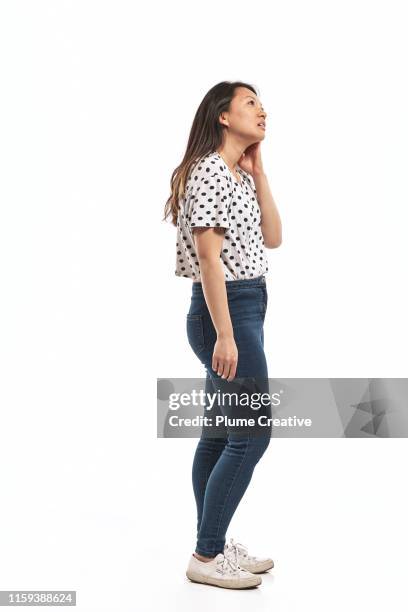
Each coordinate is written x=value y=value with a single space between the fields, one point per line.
x=208 y=260
x=273 y=244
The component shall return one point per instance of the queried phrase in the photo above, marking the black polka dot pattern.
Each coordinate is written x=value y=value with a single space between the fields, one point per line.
x=215 y=198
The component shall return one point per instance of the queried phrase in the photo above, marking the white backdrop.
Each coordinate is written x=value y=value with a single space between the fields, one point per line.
x=96 y=106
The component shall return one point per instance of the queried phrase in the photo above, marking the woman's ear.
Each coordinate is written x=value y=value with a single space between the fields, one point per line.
x=223 y=120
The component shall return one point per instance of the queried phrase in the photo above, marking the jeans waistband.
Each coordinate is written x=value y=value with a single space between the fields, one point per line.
x=259 y=281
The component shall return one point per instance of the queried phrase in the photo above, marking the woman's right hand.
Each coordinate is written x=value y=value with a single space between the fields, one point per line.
x=225 y=357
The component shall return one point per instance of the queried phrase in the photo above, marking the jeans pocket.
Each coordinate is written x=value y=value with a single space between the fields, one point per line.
x=265 y=292
x=195 y=332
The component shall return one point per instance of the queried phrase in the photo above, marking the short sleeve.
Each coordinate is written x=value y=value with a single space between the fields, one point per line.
x=210 y=197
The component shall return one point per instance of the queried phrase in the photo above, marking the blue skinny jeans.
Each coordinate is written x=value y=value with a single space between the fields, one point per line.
x=226 y=455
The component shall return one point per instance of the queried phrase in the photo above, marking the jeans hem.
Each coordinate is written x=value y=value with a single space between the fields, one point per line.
x=206 y=553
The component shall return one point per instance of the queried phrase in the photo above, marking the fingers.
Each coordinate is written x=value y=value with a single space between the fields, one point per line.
x=233 y=370
x=226 y=368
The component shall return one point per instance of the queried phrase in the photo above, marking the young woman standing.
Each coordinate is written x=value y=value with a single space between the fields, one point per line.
x=226 y=217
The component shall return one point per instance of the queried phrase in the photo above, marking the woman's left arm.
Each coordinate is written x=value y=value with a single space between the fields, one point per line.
x=271 y=225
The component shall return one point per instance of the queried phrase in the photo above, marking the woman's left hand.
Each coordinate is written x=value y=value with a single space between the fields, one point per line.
x=251 y=160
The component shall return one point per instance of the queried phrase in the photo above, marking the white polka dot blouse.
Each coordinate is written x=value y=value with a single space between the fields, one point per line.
x=214 y=198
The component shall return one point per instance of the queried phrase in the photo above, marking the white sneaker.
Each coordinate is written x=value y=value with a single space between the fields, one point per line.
x=221 y=571
x=238 y=553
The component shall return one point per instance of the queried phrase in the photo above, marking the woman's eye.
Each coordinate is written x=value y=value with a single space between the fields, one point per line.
x=252 y=102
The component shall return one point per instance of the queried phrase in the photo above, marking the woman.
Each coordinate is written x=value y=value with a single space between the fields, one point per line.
x=225 y=216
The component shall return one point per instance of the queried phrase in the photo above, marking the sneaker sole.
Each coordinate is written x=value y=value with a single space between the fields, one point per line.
x=260 y=569
x=226 y=584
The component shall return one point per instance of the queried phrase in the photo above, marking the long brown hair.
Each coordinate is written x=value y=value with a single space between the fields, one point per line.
x=205 y=137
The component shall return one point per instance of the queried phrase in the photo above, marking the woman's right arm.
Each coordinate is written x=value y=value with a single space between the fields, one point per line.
x=208 y=242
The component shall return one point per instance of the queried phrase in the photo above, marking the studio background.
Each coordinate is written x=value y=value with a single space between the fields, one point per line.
x=97 y=102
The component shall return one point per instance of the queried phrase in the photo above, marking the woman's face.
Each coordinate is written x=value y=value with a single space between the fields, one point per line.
x=245 y=116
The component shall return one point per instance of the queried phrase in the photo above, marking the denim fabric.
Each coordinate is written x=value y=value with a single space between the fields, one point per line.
x=225 y=457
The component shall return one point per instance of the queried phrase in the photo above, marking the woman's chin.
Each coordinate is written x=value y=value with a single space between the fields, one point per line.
x=259 y=137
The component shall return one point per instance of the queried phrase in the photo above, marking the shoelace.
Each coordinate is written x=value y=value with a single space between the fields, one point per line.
x=228 y=565
x=236 y=549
